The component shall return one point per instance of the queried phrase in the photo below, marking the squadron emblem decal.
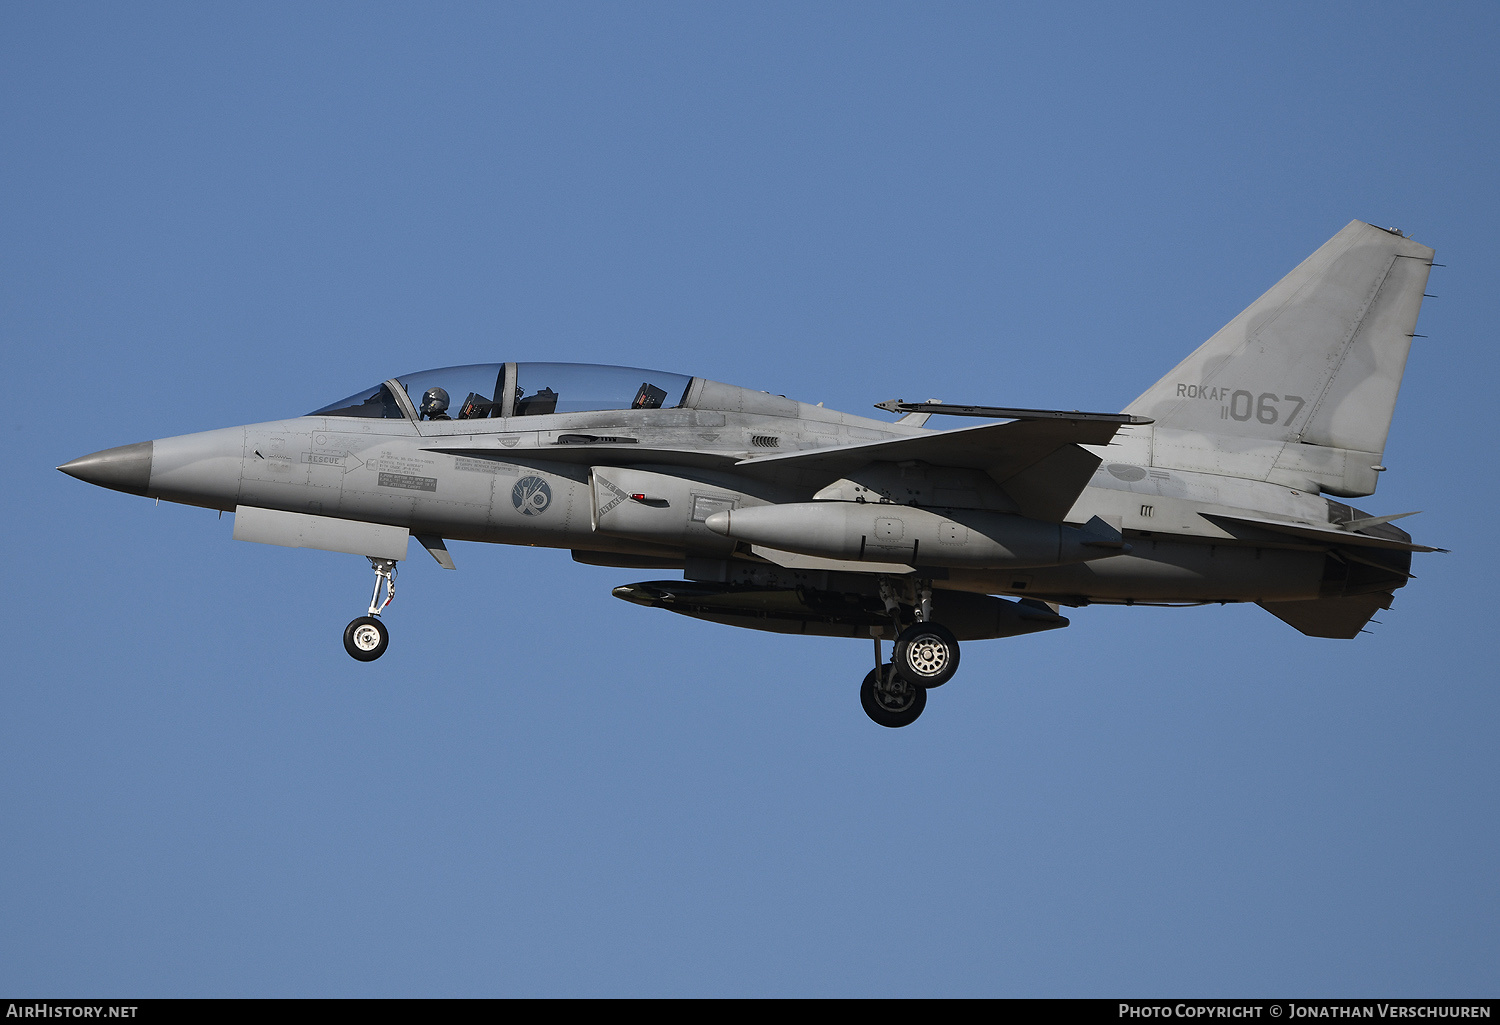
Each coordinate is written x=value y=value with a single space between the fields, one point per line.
x=531 y=496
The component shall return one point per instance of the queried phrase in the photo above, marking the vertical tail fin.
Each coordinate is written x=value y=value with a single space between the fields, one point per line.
x=1300 y=387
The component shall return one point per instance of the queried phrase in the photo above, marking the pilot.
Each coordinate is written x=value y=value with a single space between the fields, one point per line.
x=435 y=405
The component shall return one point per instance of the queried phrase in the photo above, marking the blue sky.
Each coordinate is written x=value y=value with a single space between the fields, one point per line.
x=220 y=214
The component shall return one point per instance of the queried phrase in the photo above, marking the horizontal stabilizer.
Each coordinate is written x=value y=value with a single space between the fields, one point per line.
x=1319 y=535
x=1375 y=521
x=1340 y=618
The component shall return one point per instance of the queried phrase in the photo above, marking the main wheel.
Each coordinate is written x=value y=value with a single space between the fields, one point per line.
x=366 y=638
x=890 y=700
x=926 y=654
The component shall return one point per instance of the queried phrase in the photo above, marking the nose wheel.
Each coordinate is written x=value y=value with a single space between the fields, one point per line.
x=366 y=638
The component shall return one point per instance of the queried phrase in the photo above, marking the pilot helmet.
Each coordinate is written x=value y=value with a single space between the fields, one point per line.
x=434 y=401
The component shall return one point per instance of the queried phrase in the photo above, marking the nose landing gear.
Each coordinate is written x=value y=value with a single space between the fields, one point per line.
x=366 y=638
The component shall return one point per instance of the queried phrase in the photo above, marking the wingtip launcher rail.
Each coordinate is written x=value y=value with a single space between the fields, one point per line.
x=1009 y=413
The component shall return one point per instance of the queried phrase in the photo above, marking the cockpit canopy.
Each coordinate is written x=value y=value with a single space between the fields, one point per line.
x=480 y=391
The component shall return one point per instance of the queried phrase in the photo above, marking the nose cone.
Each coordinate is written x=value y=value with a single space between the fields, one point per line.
x=127 y=468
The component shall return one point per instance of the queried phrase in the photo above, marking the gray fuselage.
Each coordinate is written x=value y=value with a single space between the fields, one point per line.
x=467 y=480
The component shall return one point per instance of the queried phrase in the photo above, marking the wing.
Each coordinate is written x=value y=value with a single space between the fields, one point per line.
x=1037 y=462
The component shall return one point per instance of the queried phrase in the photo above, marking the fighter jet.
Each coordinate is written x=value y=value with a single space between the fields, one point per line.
x=1222 y=483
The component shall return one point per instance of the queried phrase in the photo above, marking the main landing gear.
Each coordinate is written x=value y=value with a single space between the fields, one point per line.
x=366 y=638
x=889 y=699
x=925 y=656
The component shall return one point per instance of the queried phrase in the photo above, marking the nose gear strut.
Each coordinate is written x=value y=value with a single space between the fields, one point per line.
x=385 y=572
